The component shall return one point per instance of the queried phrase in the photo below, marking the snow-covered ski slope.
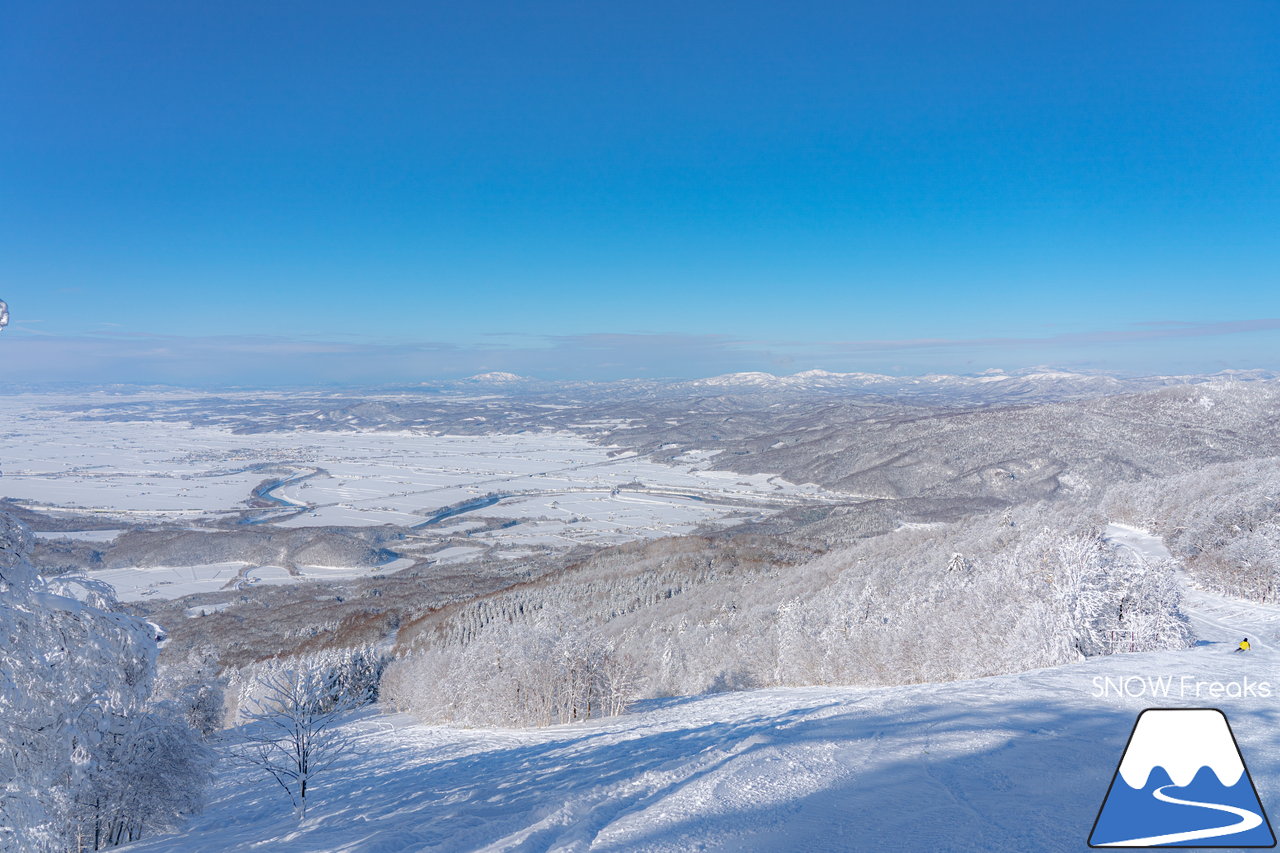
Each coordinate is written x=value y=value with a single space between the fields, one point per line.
x=1012 y=763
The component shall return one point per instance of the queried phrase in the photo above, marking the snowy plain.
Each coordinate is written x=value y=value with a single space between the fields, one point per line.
x=1010 y=763
x=174 y=471
x=543 y=489
x=136 y=584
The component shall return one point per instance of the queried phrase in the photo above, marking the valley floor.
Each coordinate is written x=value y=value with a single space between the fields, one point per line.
x=1017 y=763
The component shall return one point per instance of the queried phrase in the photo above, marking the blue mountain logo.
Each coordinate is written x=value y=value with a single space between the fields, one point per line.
x=1182 y=783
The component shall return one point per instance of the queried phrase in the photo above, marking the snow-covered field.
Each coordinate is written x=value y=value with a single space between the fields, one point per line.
x=1012 y=763
x=162 y=470
x=171 y=581
x=98 y=536
x=134 y=584
x=562 y=489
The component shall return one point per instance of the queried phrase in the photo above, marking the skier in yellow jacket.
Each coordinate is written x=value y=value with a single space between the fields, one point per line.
x=1244 y=645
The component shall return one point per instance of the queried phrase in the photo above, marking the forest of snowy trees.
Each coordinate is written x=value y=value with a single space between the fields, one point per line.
x=998 y=593
x=531 y=674
x=1222 y=521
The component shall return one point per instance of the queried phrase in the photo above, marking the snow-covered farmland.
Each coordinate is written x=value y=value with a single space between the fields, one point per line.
x=135 y=583
x=533 y=490
x=150 y=469
x=80 y=535
x=170 y=581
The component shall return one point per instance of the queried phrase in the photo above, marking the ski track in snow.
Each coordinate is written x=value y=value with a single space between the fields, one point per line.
x=1010 y=763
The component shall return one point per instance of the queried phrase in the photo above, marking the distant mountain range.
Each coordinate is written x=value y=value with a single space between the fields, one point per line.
x=1037 y=384
x=1031 y=385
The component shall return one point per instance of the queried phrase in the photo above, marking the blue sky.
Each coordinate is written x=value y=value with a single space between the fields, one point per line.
x=312 y=192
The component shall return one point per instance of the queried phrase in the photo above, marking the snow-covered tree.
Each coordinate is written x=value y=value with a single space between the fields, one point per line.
x=291 y=731
x=195 y=687
x=149 y=773
x=86 y=761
